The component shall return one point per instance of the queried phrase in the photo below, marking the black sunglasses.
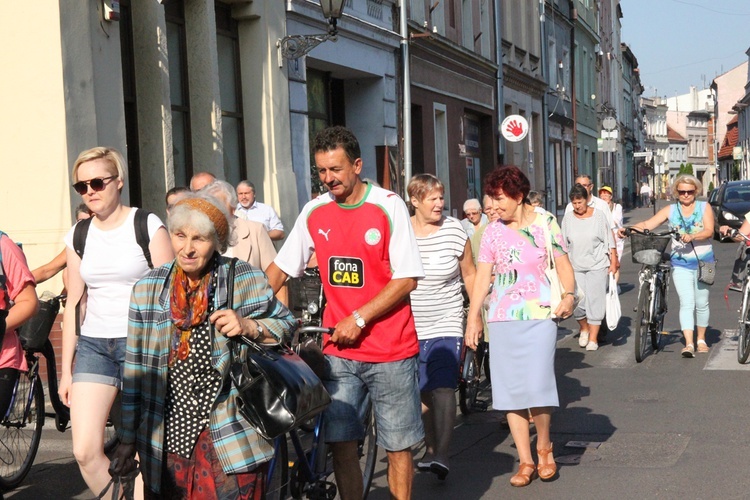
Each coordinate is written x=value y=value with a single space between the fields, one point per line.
x=682 y=193
x=96 y=184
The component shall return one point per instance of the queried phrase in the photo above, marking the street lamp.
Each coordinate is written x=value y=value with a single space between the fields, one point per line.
x=296 y=46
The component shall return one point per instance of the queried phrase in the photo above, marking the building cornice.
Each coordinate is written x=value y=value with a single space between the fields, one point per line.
x=519 y=80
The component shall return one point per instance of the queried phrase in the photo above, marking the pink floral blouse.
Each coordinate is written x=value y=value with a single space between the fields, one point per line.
x=521 y=290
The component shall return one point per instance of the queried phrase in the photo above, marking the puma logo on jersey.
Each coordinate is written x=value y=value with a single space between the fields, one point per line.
x=324 y=233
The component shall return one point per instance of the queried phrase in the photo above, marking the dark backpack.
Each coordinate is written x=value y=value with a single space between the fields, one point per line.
x=141 y=235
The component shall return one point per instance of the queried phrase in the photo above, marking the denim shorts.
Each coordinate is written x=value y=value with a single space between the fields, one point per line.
x=438 y=363
x=100 y=360
x=393 y=389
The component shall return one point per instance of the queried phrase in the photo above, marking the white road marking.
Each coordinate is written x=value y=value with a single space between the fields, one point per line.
x=723 y=356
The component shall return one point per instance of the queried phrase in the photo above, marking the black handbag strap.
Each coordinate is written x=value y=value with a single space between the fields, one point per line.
x=230 y=301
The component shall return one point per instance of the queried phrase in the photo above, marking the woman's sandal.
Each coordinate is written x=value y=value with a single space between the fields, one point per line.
x=548 y=471
x=702 y=346
x=525 y=474
x=688 y=351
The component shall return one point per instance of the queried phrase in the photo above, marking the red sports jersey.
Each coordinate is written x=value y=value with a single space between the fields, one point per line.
x=360 y=248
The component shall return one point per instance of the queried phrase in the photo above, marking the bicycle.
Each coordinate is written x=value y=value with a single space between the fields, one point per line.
x=470 y=378
x=743 y=340
x=647 y=249
x=21 y=426
x=310 y=473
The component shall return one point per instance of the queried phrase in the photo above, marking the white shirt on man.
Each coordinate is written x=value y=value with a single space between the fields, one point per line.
x=260 y=212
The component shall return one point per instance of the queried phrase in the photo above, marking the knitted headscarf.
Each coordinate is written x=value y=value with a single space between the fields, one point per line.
x=217 y=218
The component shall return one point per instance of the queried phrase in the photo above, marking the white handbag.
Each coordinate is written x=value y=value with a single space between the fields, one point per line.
x=613 y=310
x=556 y=288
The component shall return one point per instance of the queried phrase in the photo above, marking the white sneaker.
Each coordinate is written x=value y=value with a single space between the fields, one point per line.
x=583 y=339
x=592 y=346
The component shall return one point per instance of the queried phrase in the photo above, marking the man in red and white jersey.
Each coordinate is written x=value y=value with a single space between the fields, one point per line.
x=369 y=262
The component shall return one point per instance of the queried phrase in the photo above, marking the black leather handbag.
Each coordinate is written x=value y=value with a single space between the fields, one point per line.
x=277 y=389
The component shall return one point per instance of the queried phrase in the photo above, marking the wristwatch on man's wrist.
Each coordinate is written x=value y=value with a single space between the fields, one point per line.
x=562 y=296
x=358 y=320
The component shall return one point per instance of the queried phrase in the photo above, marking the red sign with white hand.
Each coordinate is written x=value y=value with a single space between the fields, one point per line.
x=514 y=128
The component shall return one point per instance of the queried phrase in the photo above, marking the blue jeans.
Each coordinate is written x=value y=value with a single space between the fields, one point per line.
x=693 y=298
x=100 y=360
x=394 y=392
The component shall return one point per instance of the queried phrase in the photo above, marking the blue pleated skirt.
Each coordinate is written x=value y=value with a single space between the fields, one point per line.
x=522 y=364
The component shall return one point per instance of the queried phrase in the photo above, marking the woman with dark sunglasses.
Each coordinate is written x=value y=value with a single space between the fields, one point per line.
x=695 y=222
x=99 y=286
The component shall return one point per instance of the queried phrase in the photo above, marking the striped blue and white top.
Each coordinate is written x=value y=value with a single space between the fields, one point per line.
x=437 y=303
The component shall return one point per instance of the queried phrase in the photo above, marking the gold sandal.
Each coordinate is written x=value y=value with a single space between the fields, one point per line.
x=525 y=474
x=548 y=471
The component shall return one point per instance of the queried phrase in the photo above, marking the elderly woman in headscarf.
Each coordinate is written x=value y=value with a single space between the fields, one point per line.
x=179 y=407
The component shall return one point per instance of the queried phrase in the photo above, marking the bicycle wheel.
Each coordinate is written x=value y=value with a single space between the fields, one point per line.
x=367 y=450
x=642 y=322
x=743 y=344
x=110 y=437
x=113 y=422
x=657 y=328
x=20 y=432
x=468 y=387
x=278 y=471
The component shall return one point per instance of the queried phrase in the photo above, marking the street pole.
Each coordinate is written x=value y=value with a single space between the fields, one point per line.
x=406 y=110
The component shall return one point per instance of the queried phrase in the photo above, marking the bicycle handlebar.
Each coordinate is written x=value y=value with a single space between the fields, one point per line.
x=315 y=329
x=646 y=232
x=733 y=233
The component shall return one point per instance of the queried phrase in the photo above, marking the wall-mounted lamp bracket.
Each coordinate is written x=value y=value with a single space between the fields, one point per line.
x=296 y=46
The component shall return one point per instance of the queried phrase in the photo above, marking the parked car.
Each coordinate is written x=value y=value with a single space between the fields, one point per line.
x=730 y=202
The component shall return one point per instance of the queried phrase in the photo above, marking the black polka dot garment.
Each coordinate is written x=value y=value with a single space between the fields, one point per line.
x=192 y=386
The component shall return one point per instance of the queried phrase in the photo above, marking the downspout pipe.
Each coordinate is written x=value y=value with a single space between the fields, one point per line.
x=573 y=90
x=406 y=111
x=499 y=79
x=548 y=180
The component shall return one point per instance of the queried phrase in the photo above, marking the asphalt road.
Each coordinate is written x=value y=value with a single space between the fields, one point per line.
x=667 y=428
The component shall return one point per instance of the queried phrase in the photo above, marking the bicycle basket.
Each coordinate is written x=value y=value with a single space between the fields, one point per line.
x=648 y=249
x=35 y=331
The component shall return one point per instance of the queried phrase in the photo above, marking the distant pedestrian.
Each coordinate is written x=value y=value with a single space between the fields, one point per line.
x=592 y=253
x=605 y=193
x=200 y=180
x=645 y=195
x=174 y=195
x=249 y=208
x=474 y=217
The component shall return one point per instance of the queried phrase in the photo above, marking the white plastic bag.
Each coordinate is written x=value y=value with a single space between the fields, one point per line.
x=613 y=310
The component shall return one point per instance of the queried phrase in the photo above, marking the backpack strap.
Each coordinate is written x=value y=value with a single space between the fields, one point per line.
x=141 y=234
x=79 y=236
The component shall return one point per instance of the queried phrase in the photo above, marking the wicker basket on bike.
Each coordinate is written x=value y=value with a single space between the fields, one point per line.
x=648 y=249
